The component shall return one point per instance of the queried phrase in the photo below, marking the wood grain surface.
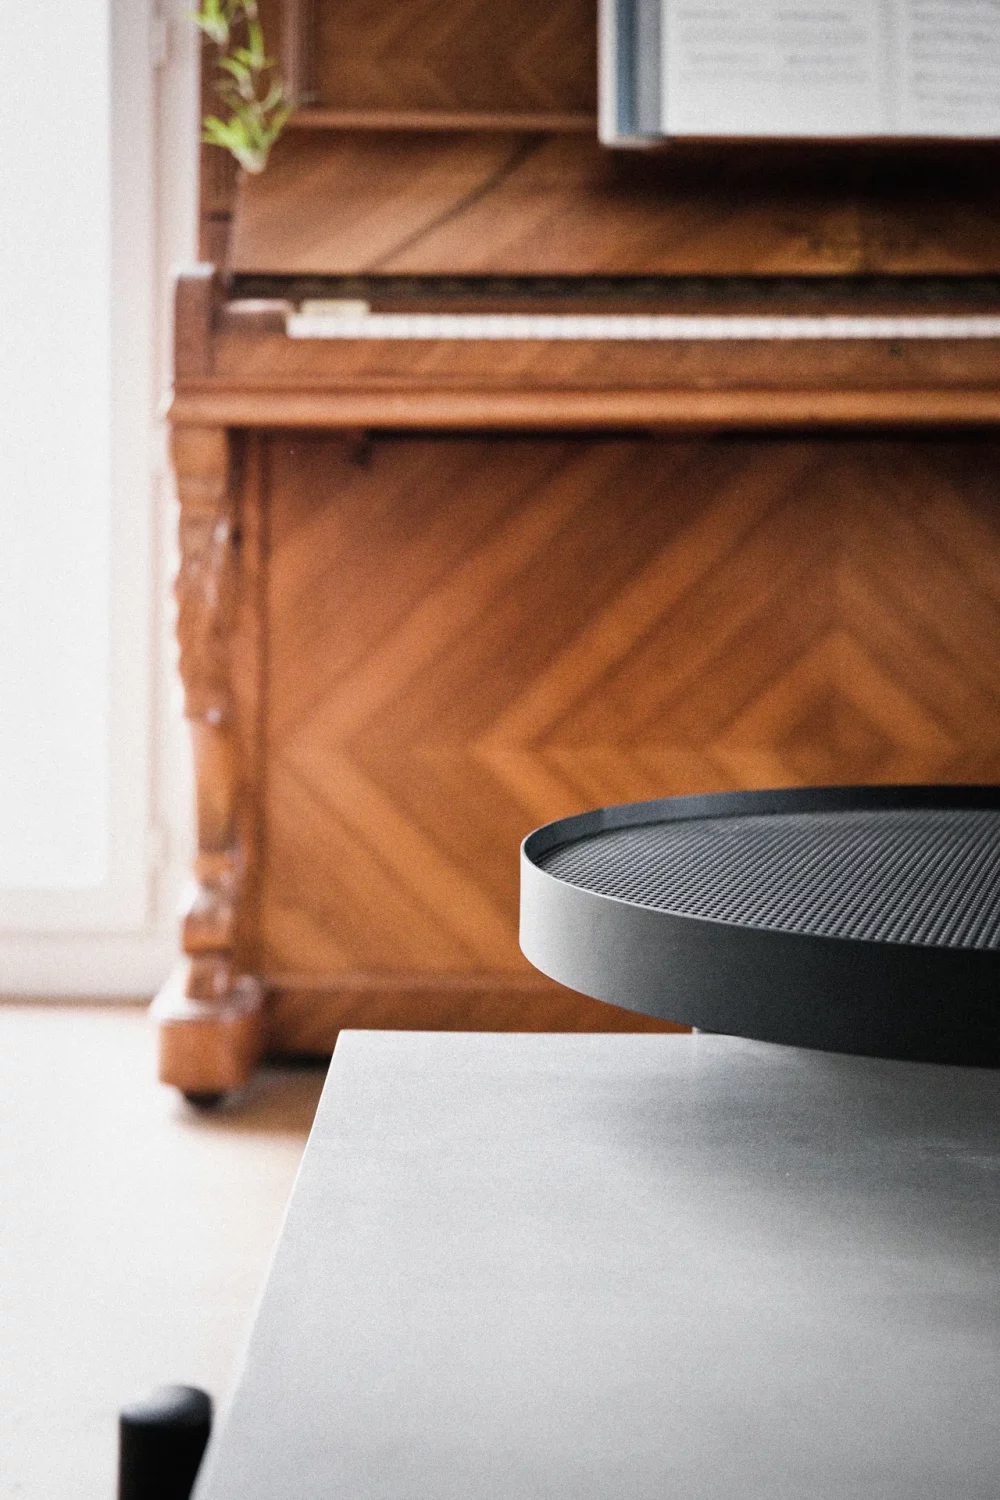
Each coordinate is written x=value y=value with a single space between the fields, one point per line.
x=236 y=368
x=319 y=118
x=468 y=637
x=458 y=55
x=430 y=644
x=217 y=173
x=595 y=365
x=427 y=204
x=209 y=1010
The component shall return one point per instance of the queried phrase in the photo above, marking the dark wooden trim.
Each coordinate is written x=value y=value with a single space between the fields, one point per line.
x=298 y=51
x=198 y=295
x=218 y=174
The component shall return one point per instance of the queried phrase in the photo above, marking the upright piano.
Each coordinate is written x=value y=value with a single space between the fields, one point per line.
x=517 y=476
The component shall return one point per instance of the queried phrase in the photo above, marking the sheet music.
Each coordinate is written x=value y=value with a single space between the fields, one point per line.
x=799 y=68
x=948 y=63
x=774 y=67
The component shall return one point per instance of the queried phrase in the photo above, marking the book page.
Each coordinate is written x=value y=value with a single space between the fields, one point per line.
x=775 y=67
x=948 y=67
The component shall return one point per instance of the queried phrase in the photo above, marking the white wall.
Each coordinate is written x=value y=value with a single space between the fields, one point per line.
x=94 y=782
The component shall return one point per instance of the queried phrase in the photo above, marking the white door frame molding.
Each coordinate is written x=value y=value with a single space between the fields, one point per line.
x=119 y=939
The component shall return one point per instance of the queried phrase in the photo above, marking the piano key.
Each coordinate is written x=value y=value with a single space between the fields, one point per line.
x=625 y=326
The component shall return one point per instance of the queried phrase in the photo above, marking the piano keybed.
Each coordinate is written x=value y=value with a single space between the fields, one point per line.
x=622 y=352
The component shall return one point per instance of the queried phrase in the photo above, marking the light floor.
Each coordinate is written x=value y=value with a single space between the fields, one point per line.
x=134 y=1235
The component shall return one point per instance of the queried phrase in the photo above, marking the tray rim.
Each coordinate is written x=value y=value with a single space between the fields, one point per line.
x=916 y=1002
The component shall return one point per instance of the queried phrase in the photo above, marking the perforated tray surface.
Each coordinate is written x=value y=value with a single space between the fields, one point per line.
x=930 y=877
x=862 y=919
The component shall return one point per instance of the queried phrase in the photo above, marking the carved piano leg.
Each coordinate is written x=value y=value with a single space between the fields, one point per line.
x=209 y=1015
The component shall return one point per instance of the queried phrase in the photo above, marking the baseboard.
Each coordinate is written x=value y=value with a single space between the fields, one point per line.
x=88 y=966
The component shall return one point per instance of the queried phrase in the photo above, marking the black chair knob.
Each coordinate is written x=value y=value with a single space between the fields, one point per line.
x=161 y=1441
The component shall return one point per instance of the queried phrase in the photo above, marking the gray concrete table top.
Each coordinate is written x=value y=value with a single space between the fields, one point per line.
x=523 y=1267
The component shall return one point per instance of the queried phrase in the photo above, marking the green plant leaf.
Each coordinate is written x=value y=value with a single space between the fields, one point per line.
x=239 y=70
x=213 y=19
x=274 y=96
x=259 y=108
x=216 y=132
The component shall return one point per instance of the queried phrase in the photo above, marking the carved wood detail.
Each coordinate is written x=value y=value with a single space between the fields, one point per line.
x=205 y=591
x=215 y=1007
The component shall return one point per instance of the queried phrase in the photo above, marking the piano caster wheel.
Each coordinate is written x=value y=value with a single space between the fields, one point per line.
x=160 y=1443
x=204 y=1100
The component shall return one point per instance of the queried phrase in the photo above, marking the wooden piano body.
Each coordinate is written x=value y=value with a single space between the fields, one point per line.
x=435 y=591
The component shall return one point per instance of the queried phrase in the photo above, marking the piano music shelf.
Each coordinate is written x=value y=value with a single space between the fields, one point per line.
x=316 y=117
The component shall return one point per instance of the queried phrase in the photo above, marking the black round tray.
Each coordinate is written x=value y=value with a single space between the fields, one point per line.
x=856 y=919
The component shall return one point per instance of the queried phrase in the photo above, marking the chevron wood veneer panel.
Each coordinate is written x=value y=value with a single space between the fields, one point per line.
x=469 y=636
x=458 y=55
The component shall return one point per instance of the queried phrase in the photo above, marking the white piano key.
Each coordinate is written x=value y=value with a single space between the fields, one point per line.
x=649 y=327
x=335 y=307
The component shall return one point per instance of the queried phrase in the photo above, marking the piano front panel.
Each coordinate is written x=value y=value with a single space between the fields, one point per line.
x=477 y=203
x=467 y=636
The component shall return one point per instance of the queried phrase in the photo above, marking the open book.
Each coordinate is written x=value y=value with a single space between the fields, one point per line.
x=798 y=68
